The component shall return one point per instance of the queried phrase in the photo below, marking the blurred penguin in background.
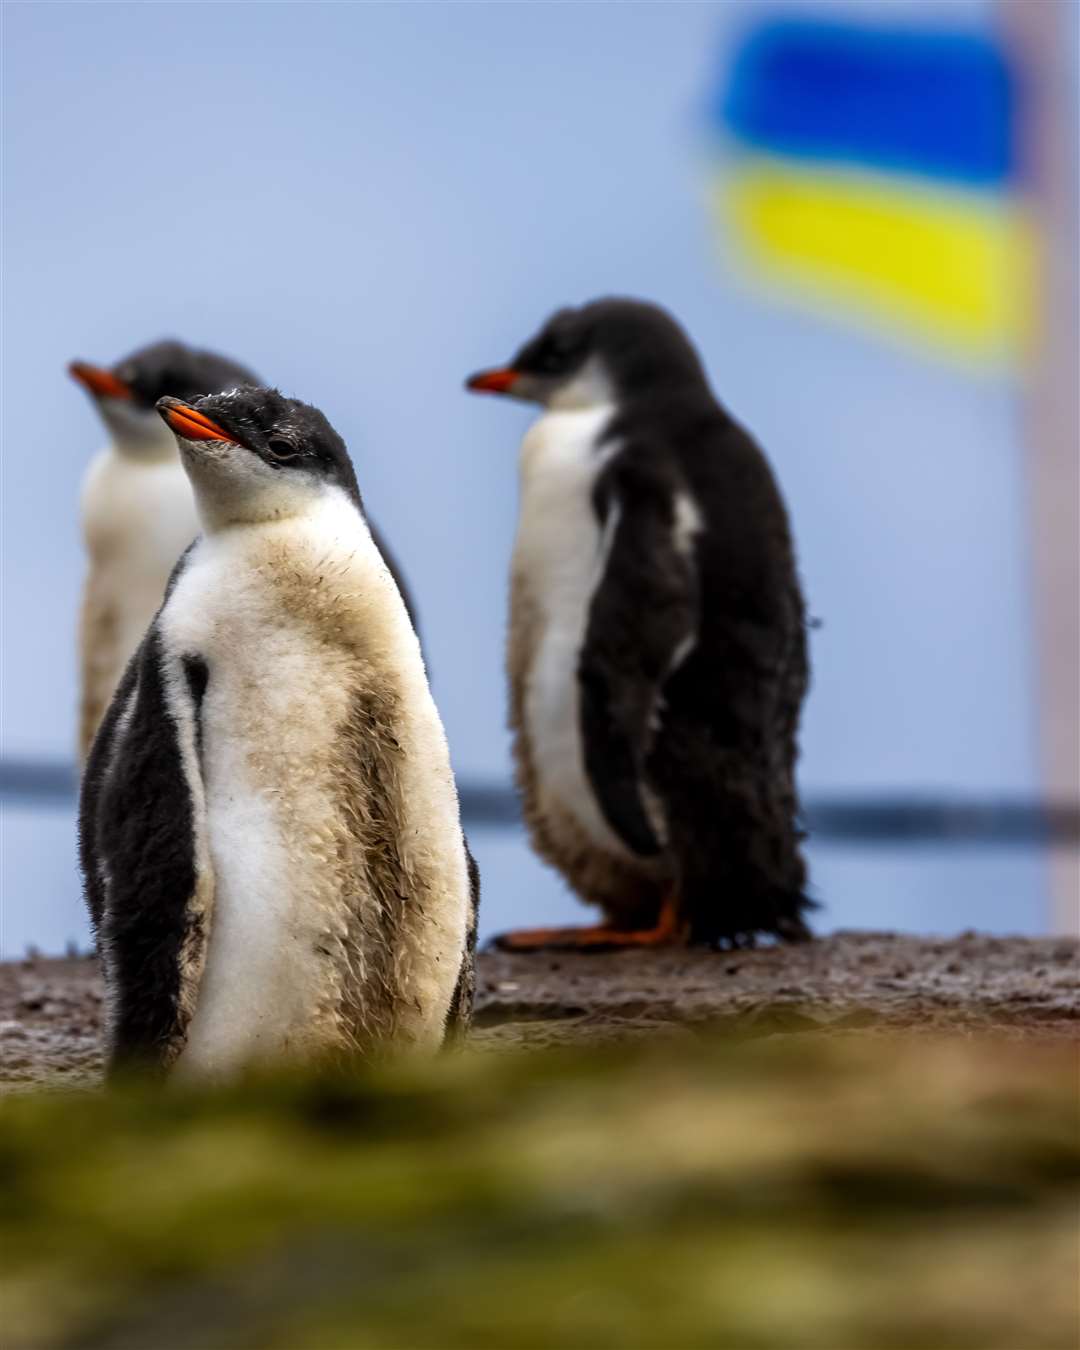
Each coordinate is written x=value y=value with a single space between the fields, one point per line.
x=269 y=828
x=137 y=507
x=138 y=513
x=657 y=651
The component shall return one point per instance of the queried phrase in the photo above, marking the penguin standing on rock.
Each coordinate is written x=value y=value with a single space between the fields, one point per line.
x=657 y=650
x=137 y=509
x=269 y=827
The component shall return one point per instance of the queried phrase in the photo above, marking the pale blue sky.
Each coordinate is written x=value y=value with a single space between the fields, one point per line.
x=366 y=202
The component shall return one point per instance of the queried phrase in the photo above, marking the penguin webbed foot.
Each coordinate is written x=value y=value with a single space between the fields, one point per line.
x=669 y=931
x=595 y=939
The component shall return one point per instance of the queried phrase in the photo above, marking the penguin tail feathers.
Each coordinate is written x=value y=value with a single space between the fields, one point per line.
x=722 y=920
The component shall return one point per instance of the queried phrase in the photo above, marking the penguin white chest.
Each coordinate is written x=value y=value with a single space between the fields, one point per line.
x=263 y=765
x=295 y=621
x=559 y=555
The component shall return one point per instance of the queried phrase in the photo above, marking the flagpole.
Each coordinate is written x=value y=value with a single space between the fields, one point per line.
x=1042 y=33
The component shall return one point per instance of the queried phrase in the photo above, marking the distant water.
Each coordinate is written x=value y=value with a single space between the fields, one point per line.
x=924 y=889
x=40 y=897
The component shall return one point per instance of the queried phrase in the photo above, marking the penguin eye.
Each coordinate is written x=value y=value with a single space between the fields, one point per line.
x=559 y=352
x=554 y=358
x=282 y=449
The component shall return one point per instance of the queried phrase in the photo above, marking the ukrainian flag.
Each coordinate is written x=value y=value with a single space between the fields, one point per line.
x=874 y=173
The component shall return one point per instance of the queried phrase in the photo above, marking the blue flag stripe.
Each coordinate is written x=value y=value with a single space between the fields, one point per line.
x=933 y=103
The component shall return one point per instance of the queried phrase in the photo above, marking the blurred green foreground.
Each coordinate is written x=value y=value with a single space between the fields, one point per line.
x=798 y=1192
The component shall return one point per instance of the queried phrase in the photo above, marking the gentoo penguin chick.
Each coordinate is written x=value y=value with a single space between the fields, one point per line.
x=657 y=650
x=269 y=827
x=137 y=510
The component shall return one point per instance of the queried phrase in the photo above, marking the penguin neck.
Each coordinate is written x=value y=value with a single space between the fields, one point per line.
x=147 y=452
x=141 y=438
x=566 y=441
x=223 y=506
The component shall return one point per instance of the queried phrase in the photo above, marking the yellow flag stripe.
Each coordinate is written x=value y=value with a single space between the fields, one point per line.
x=954 y=268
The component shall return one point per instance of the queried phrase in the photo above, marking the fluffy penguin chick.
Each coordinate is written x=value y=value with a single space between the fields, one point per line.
x=657 y=655
x=137 y=510
x=269 y=828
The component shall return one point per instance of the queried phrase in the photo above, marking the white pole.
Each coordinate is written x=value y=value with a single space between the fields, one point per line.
x=1043 y=34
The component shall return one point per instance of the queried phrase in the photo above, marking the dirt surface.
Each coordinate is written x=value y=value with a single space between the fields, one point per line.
x=51 y=1009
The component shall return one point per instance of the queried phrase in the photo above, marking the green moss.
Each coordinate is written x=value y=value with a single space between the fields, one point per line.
x=802 y=1192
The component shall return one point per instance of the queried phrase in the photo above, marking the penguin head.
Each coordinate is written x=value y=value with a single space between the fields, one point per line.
x=126 y=394
x=253 y=455
x=605 y=351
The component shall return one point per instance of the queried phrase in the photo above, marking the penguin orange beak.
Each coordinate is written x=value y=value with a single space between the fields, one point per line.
x=492 y=381
x=102 y=383
x=188 y=422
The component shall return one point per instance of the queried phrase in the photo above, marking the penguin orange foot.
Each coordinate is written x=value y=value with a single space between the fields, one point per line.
x=669 y=931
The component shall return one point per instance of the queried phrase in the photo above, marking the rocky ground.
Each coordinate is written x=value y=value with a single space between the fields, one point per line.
x=51 y=1009
x=789 y=1192
x=689 y=1166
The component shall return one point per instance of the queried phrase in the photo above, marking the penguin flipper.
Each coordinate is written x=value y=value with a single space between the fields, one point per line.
x=98 y=756
x=459 y=1017
x=148 y=884
x=642 y=619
